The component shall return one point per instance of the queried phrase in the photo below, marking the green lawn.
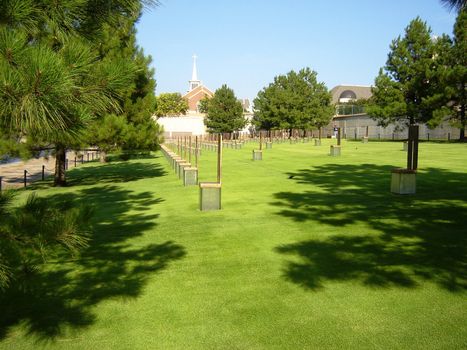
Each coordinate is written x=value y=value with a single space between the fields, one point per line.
x=309 y=252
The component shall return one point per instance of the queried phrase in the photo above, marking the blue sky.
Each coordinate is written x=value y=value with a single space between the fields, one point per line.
x=244 y=44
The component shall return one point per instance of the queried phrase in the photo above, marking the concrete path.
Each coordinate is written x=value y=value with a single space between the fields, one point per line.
x=13 y=173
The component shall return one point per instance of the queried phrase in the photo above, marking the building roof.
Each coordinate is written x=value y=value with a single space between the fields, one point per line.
x=359 y=91
x=198 y=90
x=197 y=94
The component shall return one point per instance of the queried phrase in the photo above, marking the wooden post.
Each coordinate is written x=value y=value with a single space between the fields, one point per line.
x=366 y=133
x=319 y=133
x=189 y=153
x=412 y=152
x=1 y=177
x=196 y=152
x=178 y=145
x=43 y=172
x=25 y=177
x=338 y=136
x=219 y=158
x=260 y=140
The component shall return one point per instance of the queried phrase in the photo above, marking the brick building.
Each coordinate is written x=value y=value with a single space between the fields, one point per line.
x=196 y=90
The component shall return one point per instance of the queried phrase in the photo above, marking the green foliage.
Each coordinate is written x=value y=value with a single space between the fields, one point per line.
x=409 y=87
x=455 y=77
x=136 y=129
x=458 y=5
x=203 y=104
x=53 y=80
x=108 y=132
x=143 y=136
x=224 y=112
x=293 y=101
x=171 y=104
x=11 y=147
x=36 y=230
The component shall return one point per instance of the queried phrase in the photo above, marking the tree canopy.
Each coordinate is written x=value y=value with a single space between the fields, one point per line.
x=133 y=128
x=54 y=78
x=224 y=112
x=31 y=232
x=171 y=104
x=293 y=101
x=409 y=88
x=455 y=77
x=458 y=5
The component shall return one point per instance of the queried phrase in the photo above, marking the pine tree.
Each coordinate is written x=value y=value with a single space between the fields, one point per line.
x=456 y=76
x=224 y=112
x=458 y=5
x=409 y=88
x=52 y=80
x=31 y=232
x=139 y=132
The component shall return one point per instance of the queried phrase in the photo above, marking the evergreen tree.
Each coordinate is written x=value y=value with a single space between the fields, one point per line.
x=409 y=89
x=52 y=80
x=224 y=112
x=107 y=133
x=136 y=130
x=33 y=231
x=459 y=5
x=456 y=76
x=293 y=101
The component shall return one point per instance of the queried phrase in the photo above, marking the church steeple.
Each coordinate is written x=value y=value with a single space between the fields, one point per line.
x=194 y=82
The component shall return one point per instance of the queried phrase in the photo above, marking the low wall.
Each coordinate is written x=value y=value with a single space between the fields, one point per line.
x=182 y=126
x=355 y=127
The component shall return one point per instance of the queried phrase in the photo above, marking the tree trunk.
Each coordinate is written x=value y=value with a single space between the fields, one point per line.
x=60 y=161
x=102 y=156
x=463 y=124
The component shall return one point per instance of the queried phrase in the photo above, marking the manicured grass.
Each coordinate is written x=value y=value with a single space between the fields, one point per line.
x=309 y=252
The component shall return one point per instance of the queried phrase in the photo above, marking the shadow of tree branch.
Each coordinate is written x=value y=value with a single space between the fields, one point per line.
x=64 y=293
x=422 y=237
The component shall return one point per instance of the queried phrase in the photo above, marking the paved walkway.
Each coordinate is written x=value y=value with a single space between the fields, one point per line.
x=13 y=173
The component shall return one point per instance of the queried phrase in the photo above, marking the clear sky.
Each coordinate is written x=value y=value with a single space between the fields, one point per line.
x=245 y=43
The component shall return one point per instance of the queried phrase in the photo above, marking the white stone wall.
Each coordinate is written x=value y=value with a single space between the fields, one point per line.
x=355 y=127
x=191 y=124
x=182 y=126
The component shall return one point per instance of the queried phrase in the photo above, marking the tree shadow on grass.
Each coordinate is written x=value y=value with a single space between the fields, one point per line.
x=112 y=267
x=114 y=173
x=98 y=173
x=421 y=237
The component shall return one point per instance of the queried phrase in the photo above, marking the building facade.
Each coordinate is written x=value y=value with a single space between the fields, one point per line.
x=355 y=123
